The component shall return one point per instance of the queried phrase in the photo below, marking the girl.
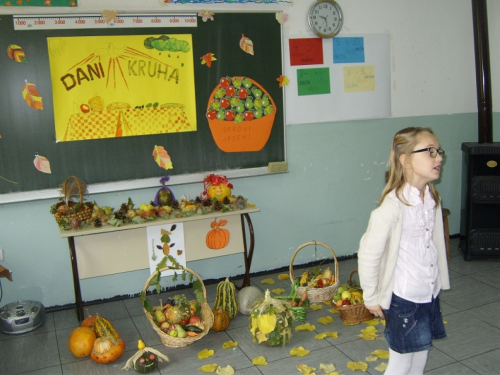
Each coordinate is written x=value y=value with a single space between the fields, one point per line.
x=402 y=255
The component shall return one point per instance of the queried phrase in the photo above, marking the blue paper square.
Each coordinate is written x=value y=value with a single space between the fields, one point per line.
x=348 y=50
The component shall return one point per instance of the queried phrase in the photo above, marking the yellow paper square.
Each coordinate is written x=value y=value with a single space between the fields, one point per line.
x=359 y=78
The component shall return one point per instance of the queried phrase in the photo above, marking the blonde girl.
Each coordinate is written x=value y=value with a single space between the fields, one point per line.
x=402 y=261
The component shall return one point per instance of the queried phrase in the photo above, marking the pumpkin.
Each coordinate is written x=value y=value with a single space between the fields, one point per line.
x=271 y=322
x=248 y=297
x=216 y=186
x=81 y=341
x=219 y=192
x=178 y=313
x=147 y=362
x=103 y=328
x=225 y=297
x=89 y=321
x=221 y=319
x=217 y=238
x=107 y=349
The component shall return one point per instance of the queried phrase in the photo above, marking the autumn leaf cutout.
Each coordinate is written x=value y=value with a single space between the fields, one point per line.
x=42 y=164
x=162 y=158
x=246 y=44
x=32 y=96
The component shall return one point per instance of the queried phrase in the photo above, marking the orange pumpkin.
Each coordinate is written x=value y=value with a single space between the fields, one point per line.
x=90 y=320
x=81 y=341
x=218 y=237
x=221 y=319
x=107 y=349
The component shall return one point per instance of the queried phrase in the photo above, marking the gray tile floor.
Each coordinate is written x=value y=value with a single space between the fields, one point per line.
x=471 y=309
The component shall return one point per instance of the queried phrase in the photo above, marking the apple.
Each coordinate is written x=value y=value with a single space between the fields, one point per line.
x=346 y=294
x=194 y=319
x=230 y=91
x=346 y=302
x=249 y=116
x=131 y=214
x=225 y=103
x=225 y=82
x=164 y=326
x=242 y=93
x=229 y=115
x=212 y=114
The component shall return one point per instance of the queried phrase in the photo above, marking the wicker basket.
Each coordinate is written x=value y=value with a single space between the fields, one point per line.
x=317 y=294
x=353 y=314
x=83 y=211
x=299 y=312
x=207 y=317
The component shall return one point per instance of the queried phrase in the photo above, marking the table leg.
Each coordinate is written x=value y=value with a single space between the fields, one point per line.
x=76 y=279
x=247 y=252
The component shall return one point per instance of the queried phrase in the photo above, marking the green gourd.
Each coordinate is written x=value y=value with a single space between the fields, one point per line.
x=146 y=363
x=225 y=297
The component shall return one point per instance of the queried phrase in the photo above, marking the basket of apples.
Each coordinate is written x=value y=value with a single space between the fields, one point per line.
x=348 y=300
x=180 y=322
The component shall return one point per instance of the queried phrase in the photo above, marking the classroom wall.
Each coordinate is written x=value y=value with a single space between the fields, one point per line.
x=336 y=169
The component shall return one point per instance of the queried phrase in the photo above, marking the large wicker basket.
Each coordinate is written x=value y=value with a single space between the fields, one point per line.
x=353 y=314
x=207 y=316
x=73 y=210
x=317 y=294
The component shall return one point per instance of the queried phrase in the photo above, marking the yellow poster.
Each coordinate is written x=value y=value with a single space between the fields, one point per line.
x=118 y=86
x=359 y=78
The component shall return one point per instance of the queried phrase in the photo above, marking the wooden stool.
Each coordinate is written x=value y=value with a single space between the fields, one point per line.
x=446 y=213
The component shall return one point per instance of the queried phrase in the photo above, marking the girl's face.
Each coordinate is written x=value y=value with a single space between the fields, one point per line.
x=422 y=167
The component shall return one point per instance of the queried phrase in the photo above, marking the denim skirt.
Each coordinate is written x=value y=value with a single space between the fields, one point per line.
x=411 y=327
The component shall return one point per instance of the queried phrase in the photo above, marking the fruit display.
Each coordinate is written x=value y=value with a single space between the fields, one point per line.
x=317 y=278
x=345 y=296
x=271 y=322
x=225 y=298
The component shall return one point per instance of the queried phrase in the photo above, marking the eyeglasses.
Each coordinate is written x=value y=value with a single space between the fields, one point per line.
x=433 y=151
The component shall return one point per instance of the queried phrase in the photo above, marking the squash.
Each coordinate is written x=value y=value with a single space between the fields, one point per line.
x=225 y=297
x=147 y=362
x=179 y=313
x=248 y=297
x=221 y=319
x=81 y=341
x=103 y=328
x=89 y=321
x=107 y=349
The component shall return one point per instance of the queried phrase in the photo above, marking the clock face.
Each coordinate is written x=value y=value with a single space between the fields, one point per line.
x=325 y=18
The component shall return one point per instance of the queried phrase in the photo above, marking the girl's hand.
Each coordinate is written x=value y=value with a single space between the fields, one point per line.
x=376 y=310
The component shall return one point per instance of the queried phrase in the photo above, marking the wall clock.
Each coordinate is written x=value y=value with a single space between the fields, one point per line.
x=325 y=18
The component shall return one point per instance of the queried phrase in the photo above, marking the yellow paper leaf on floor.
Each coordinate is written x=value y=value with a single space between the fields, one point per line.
x=350 y=323
x=361 y=366
x=368 y=337
x=372 y=322
x=333 y=335
x=445 y=322
x=278 y=291
x=283 y=276
x=320 y=336
x=205 y=353
x=267 y=281
x=229 y=344
x=328 y=369
x=382 y=354
x=259 y=361
x=334 y=311
x=228 y=370
x=371 y=358
x=299 y=352
x=382 y=367
x=370 y=330
x=315 y=307
x=208 y=368
x=327 y=302
x=306 y=370
x=325 y=320
x=305 y=327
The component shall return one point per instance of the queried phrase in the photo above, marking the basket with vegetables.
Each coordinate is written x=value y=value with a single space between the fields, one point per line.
x=320 y=285
x=297 y=303
x=348 y=300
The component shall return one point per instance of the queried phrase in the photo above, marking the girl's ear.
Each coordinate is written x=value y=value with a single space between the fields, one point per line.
x=405 y=162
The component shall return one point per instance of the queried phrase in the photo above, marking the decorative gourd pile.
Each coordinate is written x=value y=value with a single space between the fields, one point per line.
x=98 y=338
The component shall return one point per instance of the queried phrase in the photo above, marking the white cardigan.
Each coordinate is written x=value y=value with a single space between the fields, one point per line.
x=379 y=249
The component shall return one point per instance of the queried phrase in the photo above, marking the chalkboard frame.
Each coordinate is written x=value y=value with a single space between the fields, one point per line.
x=116 y=164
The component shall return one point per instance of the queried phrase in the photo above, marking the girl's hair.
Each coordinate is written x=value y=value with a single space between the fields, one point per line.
x=403 y=143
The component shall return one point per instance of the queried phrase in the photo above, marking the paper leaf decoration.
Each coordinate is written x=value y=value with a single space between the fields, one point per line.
x=16 y=53
x=162 y=158
x=32 y=96
x=110 y=16
x=281 y=17
x=283 y=80
x=42 y=164
x=206 y=15
x=246 y=44
x=207 y=59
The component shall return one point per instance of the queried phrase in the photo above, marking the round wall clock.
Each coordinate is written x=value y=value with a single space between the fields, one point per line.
x=325 y=18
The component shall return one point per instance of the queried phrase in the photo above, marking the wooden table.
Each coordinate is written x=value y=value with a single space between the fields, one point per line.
x=247 y=249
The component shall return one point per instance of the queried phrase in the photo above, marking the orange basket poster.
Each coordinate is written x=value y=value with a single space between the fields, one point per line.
x=117 y=86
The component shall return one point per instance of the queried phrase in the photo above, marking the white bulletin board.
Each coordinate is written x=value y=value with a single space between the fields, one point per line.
x=344 y=78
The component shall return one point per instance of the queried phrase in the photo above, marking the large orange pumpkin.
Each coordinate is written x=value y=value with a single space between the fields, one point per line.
x=107 y=349
x=81 y=341
x=218 y=237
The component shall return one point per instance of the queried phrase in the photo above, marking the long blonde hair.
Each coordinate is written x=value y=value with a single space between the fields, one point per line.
x=403 y=143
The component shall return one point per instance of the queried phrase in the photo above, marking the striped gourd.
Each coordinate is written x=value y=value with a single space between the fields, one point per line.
x=225 y=297
x=103 y=328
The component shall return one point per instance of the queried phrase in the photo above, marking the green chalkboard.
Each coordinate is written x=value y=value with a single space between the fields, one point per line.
x=26 y=132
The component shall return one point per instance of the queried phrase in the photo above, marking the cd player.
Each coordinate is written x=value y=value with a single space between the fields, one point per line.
x=21 y=316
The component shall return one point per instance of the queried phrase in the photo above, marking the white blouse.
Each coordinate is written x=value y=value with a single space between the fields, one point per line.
x=416 y=274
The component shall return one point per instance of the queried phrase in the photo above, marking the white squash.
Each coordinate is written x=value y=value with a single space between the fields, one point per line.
x=248 y=298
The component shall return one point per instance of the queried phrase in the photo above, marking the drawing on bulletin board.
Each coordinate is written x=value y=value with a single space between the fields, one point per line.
x=353 y=82
x=118 y=86
x=27 y=102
